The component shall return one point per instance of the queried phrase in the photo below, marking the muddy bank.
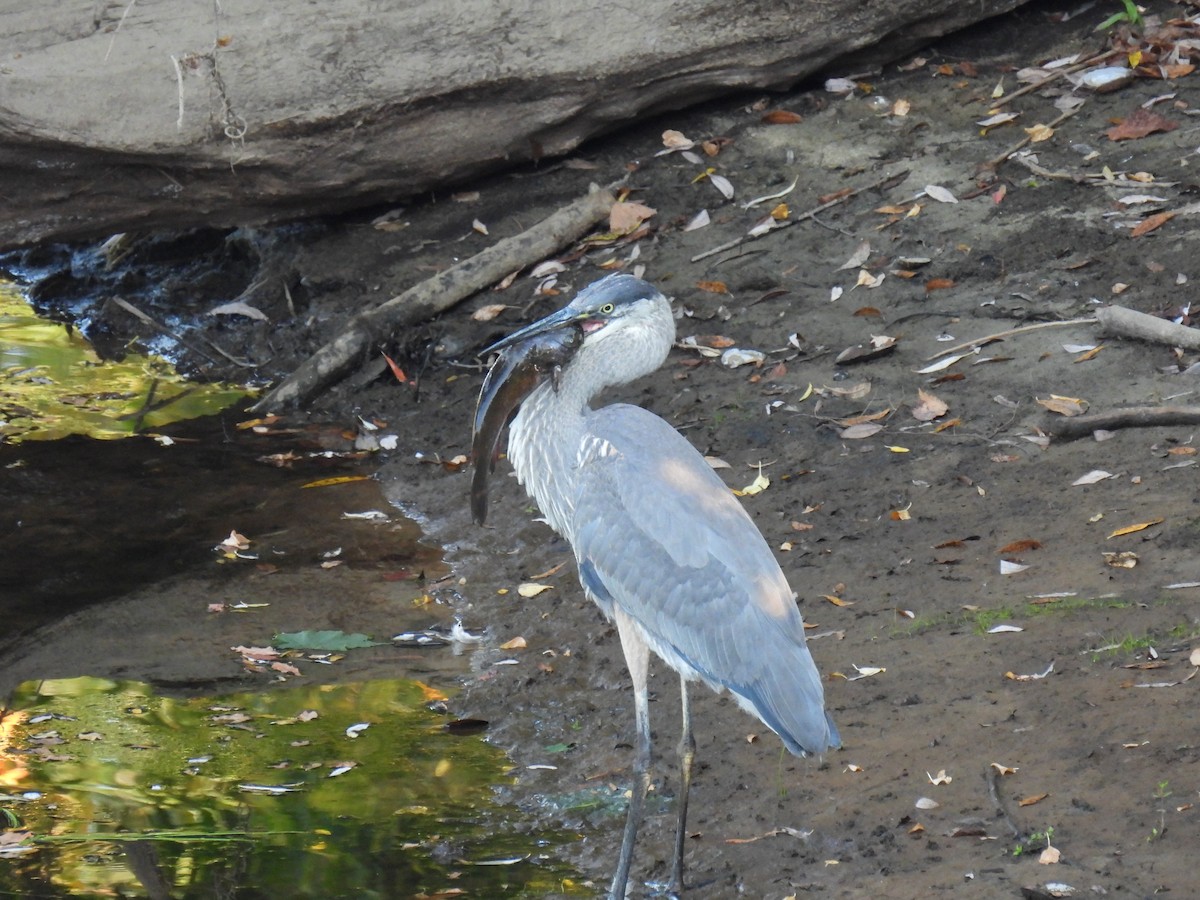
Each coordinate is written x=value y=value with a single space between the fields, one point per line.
x=907 y=528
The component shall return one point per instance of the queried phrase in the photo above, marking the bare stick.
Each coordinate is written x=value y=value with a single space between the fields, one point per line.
x=1054 y=76
x=1133 y=417
x=1000 y=335
x=436 y=295
x=995 y=161
x=1129 y=323
x=815 y=211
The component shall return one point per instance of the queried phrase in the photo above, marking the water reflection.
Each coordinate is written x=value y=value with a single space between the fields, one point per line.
x=323 y=791
x=53 y=384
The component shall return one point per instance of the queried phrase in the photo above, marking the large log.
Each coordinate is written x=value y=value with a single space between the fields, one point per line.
x=162 y=113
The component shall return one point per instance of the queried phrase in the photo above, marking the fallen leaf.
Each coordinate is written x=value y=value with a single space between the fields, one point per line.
x=757 y=486
x=699 y=220
x=532 y=589
x=479 y=226
x=626 y=217
x=1008 y=567
x=930 y=407
x=939 y=193
x=674 y=140
x=938 y=284
x=1126 y=559
x=782 y=117
x=1049 y=856
x=714 y=287
x=1030 y=801
x=1005 y=629
x=1039 y=133
x=1130 y=529
x=1092 y=477
x=1151 y=223
x=1064 y=406
x=1020 y=546
x=837 y=601
x=517 y=643
x=927 y=803
x=1138 y=124
x=858 y=432
x=860 y=255
x=722 y=184
x=489 y=312
x=940 y=778
x=1004 y=770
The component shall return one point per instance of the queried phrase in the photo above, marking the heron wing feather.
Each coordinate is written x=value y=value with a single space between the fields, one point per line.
x=659 y=535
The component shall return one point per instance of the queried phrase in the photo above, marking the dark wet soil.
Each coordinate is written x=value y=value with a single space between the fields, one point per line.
x=906 y=528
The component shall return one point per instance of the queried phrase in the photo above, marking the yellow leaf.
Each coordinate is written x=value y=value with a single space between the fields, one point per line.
x=442 y=769
x=340 y=479
x=837 y=601
x=517 y=643
x=757 y=486
x=899 y=449
x=780 y=212
x=1130 y=529
x=1135 y=59
x=532 y=589
x=1064 y=406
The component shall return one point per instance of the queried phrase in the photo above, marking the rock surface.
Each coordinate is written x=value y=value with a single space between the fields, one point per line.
x=150 y=113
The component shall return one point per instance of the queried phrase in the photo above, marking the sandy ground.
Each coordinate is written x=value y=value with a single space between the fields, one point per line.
x=906 y=528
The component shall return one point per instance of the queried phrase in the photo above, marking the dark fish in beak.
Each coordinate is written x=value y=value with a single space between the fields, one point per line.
x=528 y=358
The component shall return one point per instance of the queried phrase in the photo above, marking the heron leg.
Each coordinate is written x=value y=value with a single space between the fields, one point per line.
x=637 y=658
x=687 y=753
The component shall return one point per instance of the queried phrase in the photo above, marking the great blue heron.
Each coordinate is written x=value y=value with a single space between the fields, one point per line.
x=663 y=546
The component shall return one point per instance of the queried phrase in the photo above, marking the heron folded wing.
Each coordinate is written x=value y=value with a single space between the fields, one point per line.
x=660 y=536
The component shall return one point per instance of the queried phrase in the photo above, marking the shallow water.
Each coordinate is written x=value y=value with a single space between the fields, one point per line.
x=352 y=790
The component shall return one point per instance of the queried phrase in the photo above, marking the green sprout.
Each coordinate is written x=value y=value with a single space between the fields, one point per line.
x=1130 y=15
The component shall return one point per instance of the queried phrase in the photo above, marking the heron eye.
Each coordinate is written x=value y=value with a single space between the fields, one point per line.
x=607 y=309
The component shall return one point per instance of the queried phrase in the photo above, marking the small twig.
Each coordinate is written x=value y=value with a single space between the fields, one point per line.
x=1020 y=145
x=1133 y=417
x=810 y=214
x=154 y=323
x=1000 y=335
x=1054 y=76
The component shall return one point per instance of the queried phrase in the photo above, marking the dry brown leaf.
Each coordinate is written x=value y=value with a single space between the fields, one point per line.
x=837 y=601
x=625 y=217
x=782 y=117
x=938 y=284
x=1029 y=801
x=929 y=408
x=868 y=312
x=713 y=287
x=1064 y=406
x=1151 y=223
x=1039 y=133
x=1020 y=546
x=1049 y=856
x=1138 y=124
x=489 y=312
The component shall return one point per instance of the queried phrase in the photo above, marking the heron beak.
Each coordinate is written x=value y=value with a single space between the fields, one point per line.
x=528 y=358
x=562 y=319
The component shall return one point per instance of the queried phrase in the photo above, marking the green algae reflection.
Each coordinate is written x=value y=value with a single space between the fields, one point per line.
x=53 y=384
x=323 y=791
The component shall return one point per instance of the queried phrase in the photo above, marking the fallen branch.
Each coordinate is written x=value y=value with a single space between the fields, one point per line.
x=1133 y=417
x=1129 y=323
x=815 y=211
x=436 y=295
x=1000 y=335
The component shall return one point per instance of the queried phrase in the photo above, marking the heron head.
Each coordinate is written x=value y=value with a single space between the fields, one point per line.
x=619 y=305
